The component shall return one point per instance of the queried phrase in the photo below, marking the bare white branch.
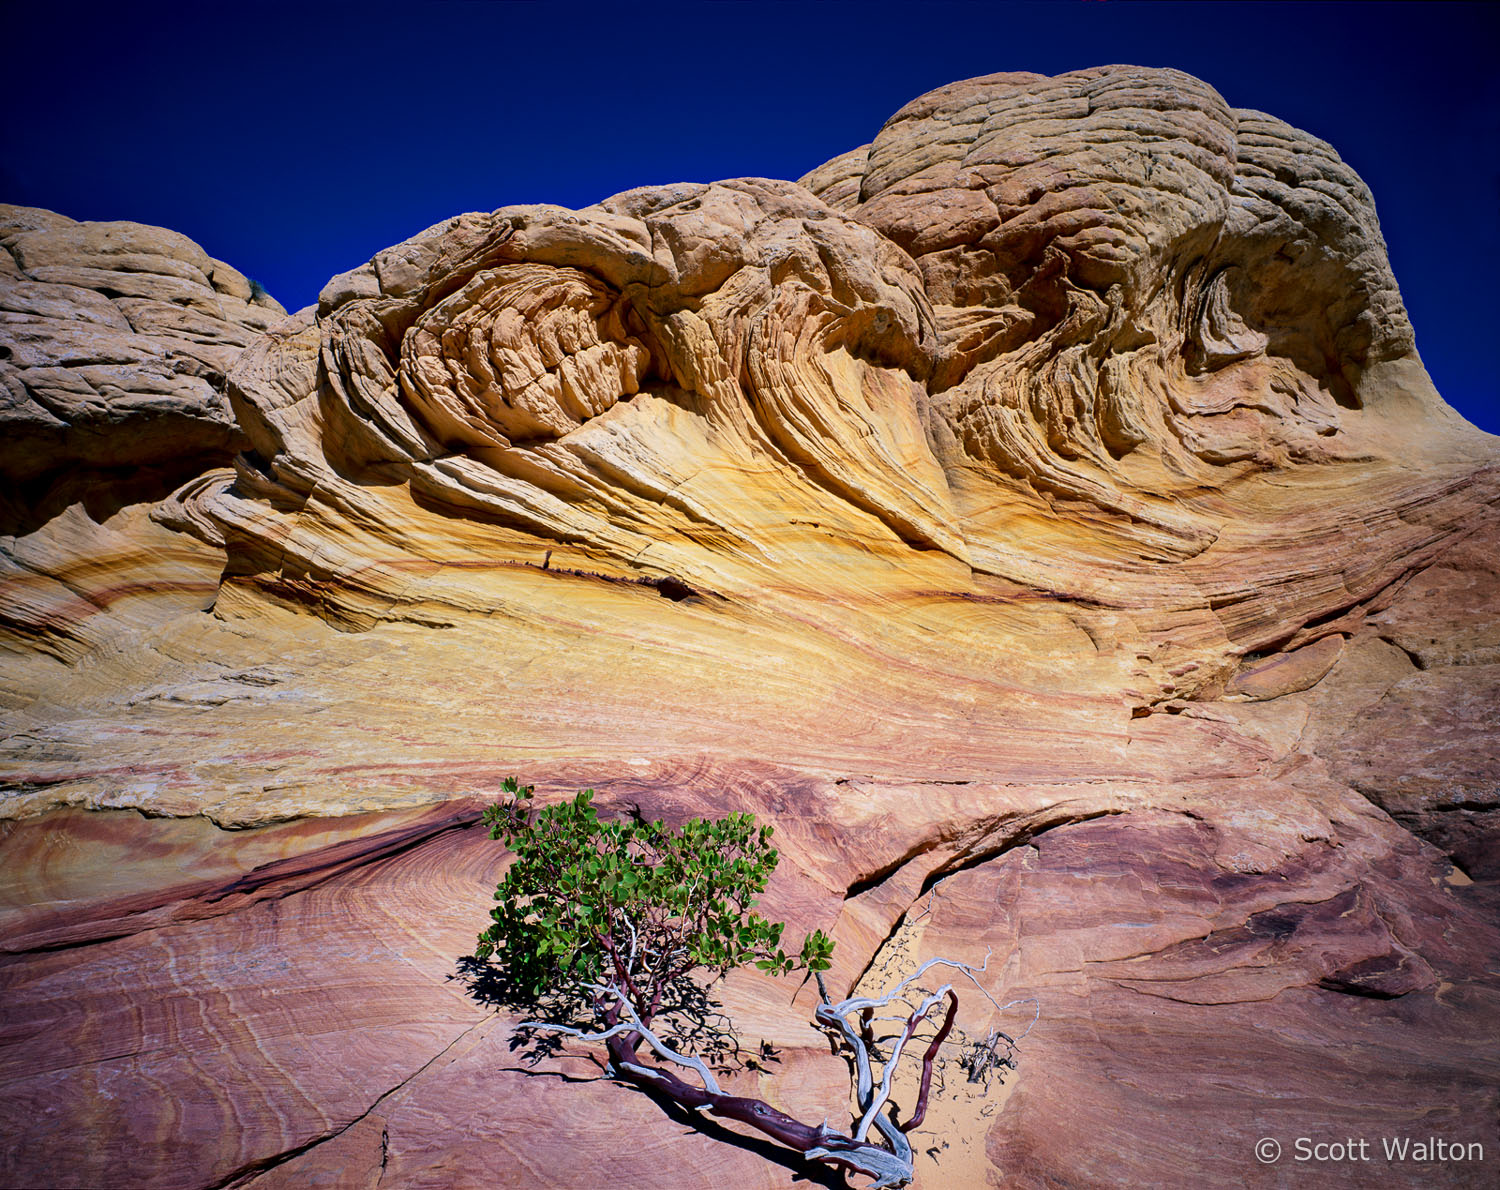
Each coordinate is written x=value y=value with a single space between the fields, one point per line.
x=871 y=1098
x=879 y=1099
x=888 y=1169
x=635 y=940
x=632 y=1025
x=688 y=1061
x=569 y=1031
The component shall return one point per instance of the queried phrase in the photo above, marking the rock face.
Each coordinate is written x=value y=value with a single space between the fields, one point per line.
x=115 y=339
x=1040 y=514
x=114 y=342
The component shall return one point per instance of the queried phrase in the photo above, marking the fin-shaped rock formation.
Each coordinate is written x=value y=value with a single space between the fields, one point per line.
x=1040 y=514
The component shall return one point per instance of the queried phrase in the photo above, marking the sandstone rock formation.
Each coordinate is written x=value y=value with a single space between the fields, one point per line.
x=115 y=339
x=1041 y=514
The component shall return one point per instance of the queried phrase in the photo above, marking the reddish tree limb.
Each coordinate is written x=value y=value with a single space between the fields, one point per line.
x=942 y=1035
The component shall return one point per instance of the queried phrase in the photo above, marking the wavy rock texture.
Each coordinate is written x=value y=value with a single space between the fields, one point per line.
x=1040 y=514
x=115 y=339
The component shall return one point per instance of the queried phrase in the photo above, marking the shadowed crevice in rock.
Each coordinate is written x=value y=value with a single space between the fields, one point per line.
x=971 y=858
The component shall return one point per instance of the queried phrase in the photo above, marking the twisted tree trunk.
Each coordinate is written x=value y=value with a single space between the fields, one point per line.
x=822 y=1143
x=890 y=1165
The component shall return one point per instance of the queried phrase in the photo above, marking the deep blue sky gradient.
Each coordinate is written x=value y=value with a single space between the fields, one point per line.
x=295 y=141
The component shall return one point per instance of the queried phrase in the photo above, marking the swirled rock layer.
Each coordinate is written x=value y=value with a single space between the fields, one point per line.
x=115 y=339
x=1040 y=514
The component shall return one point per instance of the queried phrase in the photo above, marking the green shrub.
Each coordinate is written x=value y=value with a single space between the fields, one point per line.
x=634 y=903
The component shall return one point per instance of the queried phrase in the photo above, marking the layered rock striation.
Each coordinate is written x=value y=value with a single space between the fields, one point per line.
x=115 y=339
x=115 y=342
x=1041 y=514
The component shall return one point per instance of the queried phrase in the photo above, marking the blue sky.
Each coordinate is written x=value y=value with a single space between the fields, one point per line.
x=295 y=141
